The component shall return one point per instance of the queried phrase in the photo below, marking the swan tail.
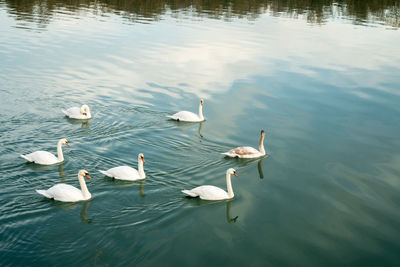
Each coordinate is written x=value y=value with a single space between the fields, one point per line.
x=105 y=173
x=228 y=154
x=65 y=112
x=25 y=157
x=44 y=193
x=171 y=117
x=190 y=193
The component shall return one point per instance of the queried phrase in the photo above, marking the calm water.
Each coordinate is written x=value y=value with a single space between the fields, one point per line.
x=321 y=77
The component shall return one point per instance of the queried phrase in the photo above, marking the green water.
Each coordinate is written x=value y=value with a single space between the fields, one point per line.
x=320 y=77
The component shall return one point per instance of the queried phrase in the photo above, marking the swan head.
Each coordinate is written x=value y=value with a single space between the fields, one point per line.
x=141 y=157
x=201 y=101
x=64 y=142
x=262 y=133
x=84 y=173
x=232 y=171
x=85 y=110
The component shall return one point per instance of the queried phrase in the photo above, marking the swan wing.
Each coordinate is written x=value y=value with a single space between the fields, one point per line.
x=189 y=193
x=185 y=116
x=105 y=173
x=44 y=193
x=75 y=113
x=63 y=192
x=72 y=112
x=243 y=152
x=123 y=173
x=207 y=192
x=41 y=157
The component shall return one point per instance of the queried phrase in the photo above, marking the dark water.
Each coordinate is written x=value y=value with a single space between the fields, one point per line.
x=321 y=77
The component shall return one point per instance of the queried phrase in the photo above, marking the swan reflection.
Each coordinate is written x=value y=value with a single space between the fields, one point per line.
x=188 y=124
x=61 y=171
x=37 y=167
x=229 y=219
x=200 y=128
x=228 y=215
x=248 y=162
x=122 y=183
x=260 y=170
x=85 y=206
x=74 y=205
x=83 y=123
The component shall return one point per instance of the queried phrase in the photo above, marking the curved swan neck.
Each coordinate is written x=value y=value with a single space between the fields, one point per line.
x=261 y=145
x=59 y=151
x=201 y=111
x=86 y=107
x=229 y=185
x=140 y=168
x=85 y=192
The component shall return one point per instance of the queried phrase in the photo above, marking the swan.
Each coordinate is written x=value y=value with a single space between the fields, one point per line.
x=46 y=158
x=247 y=151
x=68 y=193
x=81 y=113
x=189 y=116
x=127 y=173
x=210 y=192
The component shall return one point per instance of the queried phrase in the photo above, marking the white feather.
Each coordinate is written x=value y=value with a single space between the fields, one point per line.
x=78 y=113
x=127 y=173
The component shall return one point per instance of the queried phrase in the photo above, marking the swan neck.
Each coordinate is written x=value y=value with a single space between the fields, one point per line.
x=88 y=111
x=59 y=151
x=201 y=111
x=261 y=145
x=85 y=192
x=85 y=109
x=229 y=185
x=141 y=169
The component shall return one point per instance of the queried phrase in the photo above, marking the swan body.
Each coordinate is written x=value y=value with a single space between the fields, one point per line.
x=127 y=173
x=210 y=192
x=47 y=158
x=68 y=193
x=82 y=113
x=247 y=151
x=189 y=116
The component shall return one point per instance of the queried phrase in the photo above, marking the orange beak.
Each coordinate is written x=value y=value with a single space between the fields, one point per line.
x=87 y=176
x=67 y=144
x=234 y=173
x=143 y=160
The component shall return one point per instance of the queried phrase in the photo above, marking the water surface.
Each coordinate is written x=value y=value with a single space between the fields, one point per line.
x=320 y=77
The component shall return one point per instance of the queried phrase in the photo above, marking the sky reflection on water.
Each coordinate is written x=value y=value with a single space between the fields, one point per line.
x=320 y=77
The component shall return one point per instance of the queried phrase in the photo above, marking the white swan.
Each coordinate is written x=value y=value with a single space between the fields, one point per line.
x=68 y=193
x=46 y=158
x=247 y=151
x=127 y=173
x=189 y=116
x=81 y=113
x=210 y=192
